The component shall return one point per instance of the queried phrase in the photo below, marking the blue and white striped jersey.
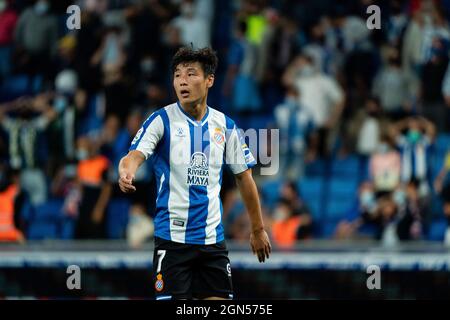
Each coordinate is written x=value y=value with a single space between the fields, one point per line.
x=189 y=157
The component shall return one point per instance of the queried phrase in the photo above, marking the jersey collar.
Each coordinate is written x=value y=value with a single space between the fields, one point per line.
x=191 y=119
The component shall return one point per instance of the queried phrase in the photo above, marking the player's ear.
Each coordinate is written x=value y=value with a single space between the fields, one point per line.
x=209 y=81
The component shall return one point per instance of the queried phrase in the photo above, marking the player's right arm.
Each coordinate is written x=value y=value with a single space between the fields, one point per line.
x=142 y=147
x=128 y=167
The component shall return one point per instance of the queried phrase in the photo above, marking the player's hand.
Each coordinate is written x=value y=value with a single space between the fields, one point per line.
x=259 y=240
x=126 y=183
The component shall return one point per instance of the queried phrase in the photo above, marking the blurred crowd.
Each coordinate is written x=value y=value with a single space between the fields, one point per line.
x=376 y=101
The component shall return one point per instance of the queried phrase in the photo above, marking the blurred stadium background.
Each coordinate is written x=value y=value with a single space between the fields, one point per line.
x=364 y=120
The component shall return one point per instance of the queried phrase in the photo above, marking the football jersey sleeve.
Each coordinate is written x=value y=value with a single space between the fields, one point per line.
x=148 y=136
x=237 y=154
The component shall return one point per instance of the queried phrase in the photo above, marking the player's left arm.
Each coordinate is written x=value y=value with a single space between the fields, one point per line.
x=259 y=240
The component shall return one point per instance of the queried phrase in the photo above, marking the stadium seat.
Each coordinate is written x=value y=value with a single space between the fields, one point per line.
x=316 y=168
x=437 y=210
x=436 y=163
x=347 y=167
x=442 y=143
x=328 y=228
x=340 y=198
x=15 y=87
x=50 y=210
x=259 y=122
x=67 y=229
x=40 y=230
x=437 y=230
x=92 y=120
x=343 y=187
x=117 y=218
x=311 y=191
x=337 y=208
x=270 y=192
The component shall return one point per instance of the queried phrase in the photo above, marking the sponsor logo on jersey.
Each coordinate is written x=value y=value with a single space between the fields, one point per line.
x=198 y=171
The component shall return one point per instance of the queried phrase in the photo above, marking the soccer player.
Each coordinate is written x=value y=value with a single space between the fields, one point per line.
x=190 y=143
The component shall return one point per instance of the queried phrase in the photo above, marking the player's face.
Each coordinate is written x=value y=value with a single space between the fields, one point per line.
x=190 y=83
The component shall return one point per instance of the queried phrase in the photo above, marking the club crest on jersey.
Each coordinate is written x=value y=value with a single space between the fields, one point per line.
x=198 y=171
x=159 y=284
x=218 y=136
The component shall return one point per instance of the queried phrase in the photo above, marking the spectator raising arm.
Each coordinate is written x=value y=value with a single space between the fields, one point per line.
x=439 y=181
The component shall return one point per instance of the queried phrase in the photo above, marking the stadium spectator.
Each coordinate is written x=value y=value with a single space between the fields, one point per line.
x=295 y=124
x=391 y=88
x=396 y=23
x=360 y=216
x=321 y=95
x=366 y=127
x=92 y=174
x=291 y=220
x=140 y=226
x=446 y=94
x=413 y=137
x=10 y=220
x=8 y=20
x=436 y=58
x=240 y=81
x=442 y=188
x=446 y=199
x=192 y=26
x=36 y=39
x=385 y=167
x=66 y=102
x=442 y=179
x=32 y=117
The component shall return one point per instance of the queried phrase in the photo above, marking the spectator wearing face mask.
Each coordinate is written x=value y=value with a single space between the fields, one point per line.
x=291 y=219
x=192 y=26
x=295 y=124
x=365 y=128
x=391 y=88
x=67 y=106
x=385 y=167
x=321 y=95
x=413 y=137
x=92 y=176
x=36 y=38
x=360 y=217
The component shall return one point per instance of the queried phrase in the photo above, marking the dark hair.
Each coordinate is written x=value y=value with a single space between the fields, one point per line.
x=207 y=58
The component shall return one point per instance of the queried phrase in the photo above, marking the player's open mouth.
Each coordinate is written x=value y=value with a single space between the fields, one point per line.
x=184 y=93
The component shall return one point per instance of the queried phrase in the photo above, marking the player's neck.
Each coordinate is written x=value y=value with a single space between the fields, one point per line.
x=196 y=110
